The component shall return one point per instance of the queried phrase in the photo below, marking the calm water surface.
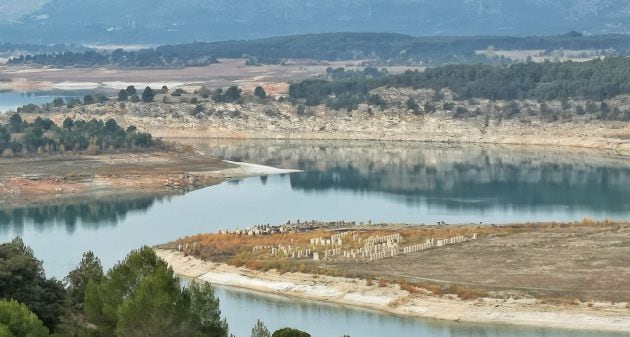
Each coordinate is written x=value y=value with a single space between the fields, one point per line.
x=393 y=182
x=11 y=100
x=328 y=320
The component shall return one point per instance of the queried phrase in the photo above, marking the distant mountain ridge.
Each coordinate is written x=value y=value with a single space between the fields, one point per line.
x=157 y=22
x=382 y=48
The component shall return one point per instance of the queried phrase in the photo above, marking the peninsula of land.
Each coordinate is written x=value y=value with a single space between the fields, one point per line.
x=522 y=274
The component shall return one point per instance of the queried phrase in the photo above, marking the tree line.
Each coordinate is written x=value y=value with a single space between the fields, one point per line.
x=138 y=297
x=6 y=47
x=385 y=47
x=184 y=57
x=19 y=137
x=597 y=80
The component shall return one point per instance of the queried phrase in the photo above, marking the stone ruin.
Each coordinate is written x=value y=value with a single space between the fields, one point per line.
x=289 y=227
x=346 y=245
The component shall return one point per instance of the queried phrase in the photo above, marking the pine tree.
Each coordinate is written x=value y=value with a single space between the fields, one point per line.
x=260 y=92
x=260 y=330
x=148 y=95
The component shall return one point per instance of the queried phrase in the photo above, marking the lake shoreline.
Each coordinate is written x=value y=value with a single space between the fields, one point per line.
x=552 y=139
x=40 y=180
x=391 y=299
x=252 y=122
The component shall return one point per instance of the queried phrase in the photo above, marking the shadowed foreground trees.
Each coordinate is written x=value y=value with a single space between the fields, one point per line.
x=89 y=269
x=16 y=320
x=22 y=279
x=139 y=297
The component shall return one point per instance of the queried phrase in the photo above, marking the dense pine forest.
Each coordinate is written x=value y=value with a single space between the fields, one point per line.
x=593 y=80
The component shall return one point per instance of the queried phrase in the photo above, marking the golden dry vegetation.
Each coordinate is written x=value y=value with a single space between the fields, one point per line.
x=557 y=262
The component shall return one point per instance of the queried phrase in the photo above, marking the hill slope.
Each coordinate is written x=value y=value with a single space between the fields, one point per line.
x=154 y=22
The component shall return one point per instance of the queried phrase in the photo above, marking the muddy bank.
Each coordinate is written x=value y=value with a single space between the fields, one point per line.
x=38 y=180
x=390 y=298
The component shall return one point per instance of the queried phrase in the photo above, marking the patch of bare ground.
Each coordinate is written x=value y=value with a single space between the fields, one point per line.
x=28 y=180
x=405 y=299
x=554 y=262
x=226 y=72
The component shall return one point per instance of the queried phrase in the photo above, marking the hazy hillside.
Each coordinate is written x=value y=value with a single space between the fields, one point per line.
x=189 y=20
x=381 y=48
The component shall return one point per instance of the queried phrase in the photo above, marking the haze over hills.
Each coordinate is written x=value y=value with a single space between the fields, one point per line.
x=144 y=21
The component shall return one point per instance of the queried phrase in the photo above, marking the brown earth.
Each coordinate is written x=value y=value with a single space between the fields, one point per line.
x=225 y=73
x=568 y=262
x=29 y=180
x=406 y=300
x=553 y=261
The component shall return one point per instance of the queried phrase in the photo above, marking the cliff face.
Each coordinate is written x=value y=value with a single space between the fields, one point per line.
x=482 y=122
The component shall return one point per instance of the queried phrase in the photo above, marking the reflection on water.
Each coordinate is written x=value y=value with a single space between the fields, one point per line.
x=86 y=213
x=11 y=100
x=243 y=308
x=382 y=182
x=395 y=182
x=469 y=186
x=457 y=177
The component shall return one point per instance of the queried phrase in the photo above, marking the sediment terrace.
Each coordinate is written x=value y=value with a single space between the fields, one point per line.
x=53 y=177
x=582 y=261
x=280 y=120
x=570 y=275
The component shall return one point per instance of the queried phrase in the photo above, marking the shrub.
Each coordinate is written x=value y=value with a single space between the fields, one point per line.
x=204 y=92
x=560 y=301
x=470 y=294
x=8 y=153
x=433 y=288
x=260 y=92
x=408 y=287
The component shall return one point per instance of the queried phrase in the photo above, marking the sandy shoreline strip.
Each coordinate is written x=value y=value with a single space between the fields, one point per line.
x=245 y=170
x=260 y=170
x=117 y=175
x=391 y=299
